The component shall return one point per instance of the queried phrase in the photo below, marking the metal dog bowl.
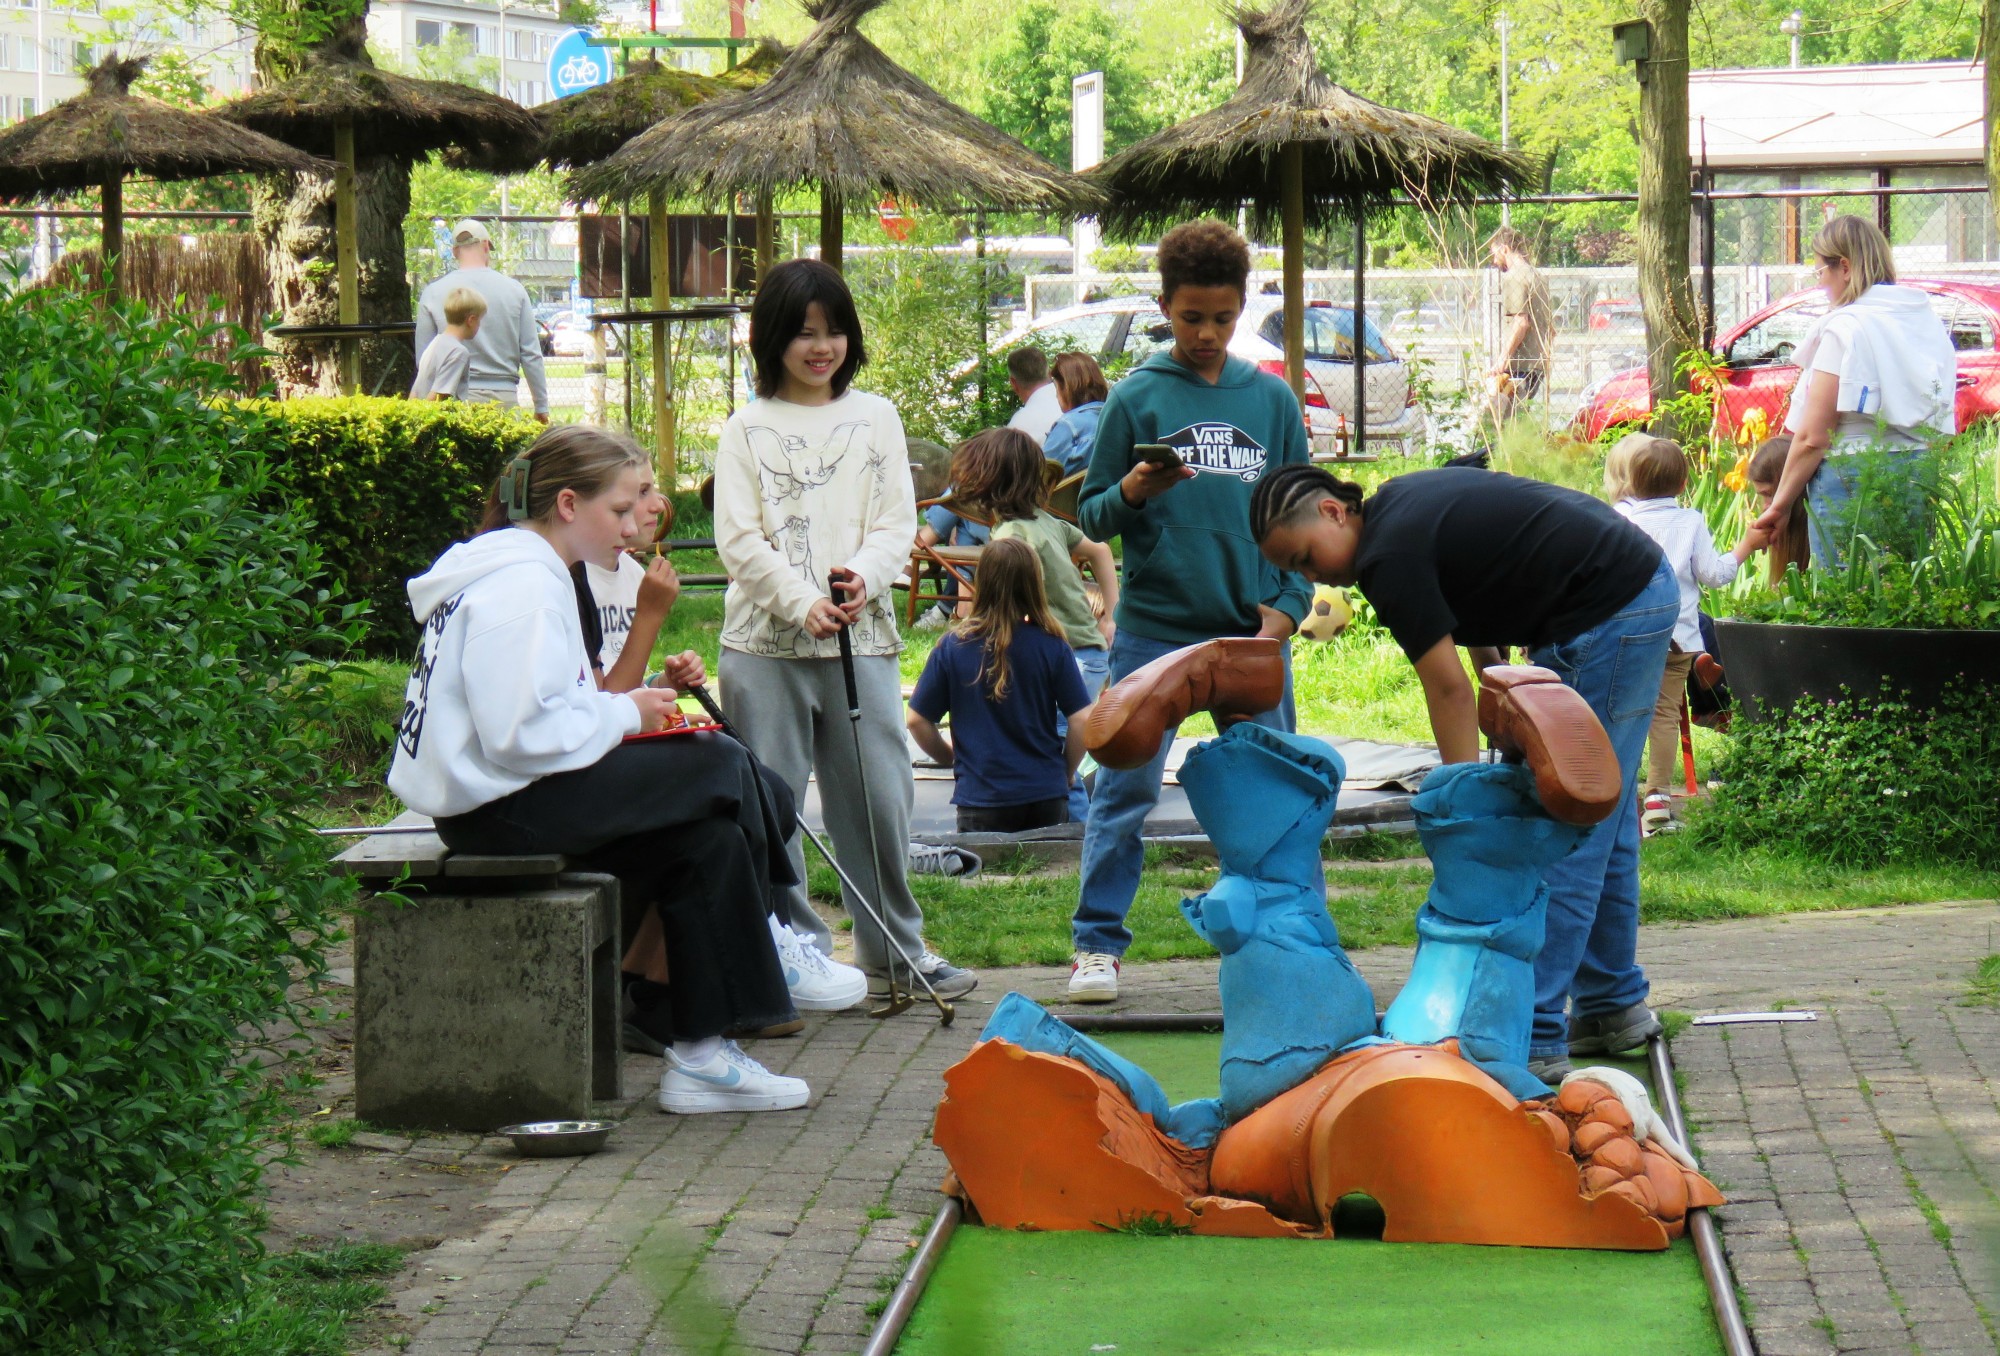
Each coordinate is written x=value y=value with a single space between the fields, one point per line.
x=558 y=1139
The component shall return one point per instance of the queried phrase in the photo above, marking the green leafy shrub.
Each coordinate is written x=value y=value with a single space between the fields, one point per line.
x=1921 y=544
x=1865 y=781
x=389 y=484
x=158 y=892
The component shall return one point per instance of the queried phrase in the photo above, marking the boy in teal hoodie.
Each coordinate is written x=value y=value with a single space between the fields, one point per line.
x=1191 y=570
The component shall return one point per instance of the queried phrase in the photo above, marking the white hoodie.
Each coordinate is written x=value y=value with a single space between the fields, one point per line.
x=1897 y=368
x=501 y=693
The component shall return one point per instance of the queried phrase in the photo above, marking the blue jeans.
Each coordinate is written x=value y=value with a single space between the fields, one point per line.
x=1095 y=666
x=1113 y=852
x=1589 y=955
x=1829 y=495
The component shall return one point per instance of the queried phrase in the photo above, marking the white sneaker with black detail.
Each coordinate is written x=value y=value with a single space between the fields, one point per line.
x=928 y=859
x=729 y=1081
x=818 y=983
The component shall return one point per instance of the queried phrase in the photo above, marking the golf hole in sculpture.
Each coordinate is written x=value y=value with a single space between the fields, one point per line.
x=1433 y=1112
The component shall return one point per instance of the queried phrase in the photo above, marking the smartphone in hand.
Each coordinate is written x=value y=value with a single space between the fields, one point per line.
x=1158 y=454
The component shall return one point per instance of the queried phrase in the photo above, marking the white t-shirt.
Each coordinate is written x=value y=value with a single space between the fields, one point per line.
x=1039 y=413
x=443 y=369
x=799 y=491
x=616 y=593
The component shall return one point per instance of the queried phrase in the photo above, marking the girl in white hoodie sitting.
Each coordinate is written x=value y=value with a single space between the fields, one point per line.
x=508 y=743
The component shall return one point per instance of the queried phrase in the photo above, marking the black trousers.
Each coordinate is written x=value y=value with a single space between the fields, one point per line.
x=693 y=827
x=1038 y=814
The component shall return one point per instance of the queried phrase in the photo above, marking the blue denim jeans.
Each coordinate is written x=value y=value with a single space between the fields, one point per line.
x=1828 y=495
x=1113 y=852
x=1589 y=956
x=1095 y=666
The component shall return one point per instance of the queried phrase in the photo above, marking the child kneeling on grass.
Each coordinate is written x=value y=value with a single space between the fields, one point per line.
x=1006 y=677
x=508 y=742
x=1656 y=474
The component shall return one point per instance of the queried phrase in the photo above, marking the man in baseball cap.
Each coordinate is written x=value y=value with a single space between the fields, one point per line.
x=508 y=343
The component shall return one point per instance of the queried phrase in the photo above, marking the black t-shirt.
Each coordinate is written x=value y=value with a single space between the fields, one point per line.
x=1493 y=559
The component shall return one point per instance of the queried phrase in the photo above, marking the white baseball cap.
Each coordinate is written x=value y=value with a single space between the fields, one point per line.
x=469 y=232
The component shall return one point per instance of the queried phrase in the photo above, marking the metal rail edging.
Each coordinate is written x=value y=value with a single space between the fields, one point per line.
x=1707 y=1238
x=903 y=1299
x=1715 y=1273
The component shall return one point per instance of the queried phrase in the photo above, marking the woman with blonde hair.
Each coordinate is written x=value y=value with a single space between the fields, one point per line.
x=1877 y=371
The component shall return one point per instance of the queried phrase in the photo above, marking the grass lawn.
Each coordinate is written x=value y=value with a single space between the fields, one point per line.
x=1359 y=685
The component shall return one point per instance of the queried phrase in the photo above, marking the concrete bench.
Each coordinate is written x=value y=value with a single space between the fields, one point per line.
x=488 y=994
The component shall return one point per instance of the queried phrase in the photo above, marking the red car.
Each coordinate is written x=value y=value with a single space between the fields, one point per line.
x=1756 y=369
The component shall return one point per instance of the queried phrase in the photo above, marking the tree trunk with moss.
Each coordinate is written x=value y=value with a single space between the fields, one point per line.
x=1989 y=43
x=1666 y=291
x=294 y=218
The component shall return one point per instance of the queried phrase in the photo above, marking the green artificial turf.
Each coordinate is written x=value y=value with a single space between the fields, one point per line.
x=1031 y=1294
x=1054 y=1294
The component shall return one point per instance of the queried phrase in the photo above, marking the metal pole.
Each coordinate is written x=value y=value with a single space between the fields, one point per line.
x=663 y=376
x=44 y=228
x=1506 y=213
x=1700 y=1225
x=347 y=255
x=1360 y=443
x=1292 y=166
x=1707 y=245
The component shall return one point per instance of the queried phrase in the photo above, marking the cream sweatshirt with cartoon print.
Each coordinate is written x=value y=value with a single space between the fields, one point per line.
x=801 y=490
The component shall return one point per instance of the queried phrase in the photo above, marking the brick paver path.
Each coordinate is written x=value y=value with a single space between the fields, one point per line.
x=1862 y=1153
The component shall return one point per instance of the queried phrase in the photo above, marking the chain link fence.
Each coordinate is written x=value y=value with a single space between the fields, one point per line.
x=1434 y=331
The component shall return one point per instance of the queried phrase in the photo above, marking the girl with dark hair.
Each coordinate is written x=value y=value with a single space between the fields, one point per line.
x=812 y=481
x=1081 y=391
x=1001 y=469
x=508 y=742
x=1006 y=679
x=1457 y=557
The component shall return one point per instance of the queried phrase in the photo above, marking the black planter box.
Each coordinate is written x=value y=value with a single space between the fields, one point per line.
x=1771 y=664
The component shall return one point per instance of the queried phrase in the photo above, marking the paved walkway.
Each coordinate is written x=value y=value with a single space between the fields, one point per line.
x=1862 y=1153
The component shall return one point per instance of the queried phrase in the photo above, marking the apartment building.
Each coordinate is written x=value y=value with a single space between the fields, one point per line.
x=46 y=45
x=509 y=43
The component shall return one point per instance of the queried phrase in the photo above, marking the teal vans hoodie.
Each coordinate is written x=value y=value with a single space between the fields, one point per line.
x=1192 y=573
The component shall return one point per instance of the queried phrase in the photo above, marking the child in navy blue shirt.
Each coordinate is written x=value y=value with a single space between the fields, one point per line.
x=1003 y=675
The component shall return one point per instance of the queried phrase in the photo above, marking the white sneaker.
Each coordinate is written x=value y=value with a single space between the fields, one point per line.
x=934 y=619
x=1093 y=977
x=731 y=1081
x=817 y=981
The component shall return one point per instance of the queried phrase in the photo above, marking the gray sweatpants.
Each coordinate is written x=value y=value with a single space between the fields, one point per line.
x=793 y=714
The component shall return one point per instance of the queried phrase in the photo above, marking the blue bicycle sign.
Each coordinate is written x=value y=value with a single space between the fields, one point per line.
x=575 y=66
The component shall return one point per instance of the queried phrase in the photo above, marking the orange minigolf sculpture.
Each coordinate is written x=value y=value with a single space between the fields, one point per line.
x=1449 y=1155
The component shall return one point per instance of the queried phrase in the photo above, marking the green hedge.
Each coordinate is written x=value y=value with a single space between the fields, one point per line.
x=389 y=484
x=158 y=892
x=1864 y=781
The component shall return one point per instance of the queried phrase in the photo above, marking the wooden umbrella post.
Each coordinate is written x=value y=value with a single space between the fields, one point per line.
x=347 y=255
x=767 y=237
x=832 y=225
x=1292 y=169
x=112 y=244
x=663 y=390
x=1360 y=345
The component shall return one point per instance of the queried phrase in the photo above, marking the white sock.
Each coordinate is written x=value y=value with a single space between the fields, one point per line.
x=699 y=1052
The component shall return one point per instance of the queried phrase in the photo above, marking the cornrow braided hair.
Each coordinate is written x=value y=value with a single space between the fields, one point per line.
x=1290 y=492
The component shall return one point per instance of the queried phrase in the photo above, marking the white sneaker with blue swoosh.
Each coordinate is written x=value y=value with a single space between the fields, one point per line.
x=817 y=982
x=730 y=1081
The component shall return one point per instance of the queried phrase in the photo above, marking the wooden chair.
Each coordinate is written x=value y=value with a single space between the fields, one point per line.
x=930 y=566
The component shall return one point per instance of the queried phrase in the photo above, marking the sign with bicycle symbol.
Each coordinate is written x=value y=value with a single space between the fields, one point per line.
x=575 y=66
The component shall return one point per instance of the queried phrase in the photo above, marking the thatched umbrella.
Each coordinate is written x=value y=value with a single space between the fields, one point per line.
x=1296 y=147
x=341 y=103
x=840 y=116
x=97 y=138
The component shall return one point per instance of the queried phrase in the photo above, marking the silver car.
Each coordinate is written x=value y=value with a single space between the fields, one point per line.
x=1131 y=328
